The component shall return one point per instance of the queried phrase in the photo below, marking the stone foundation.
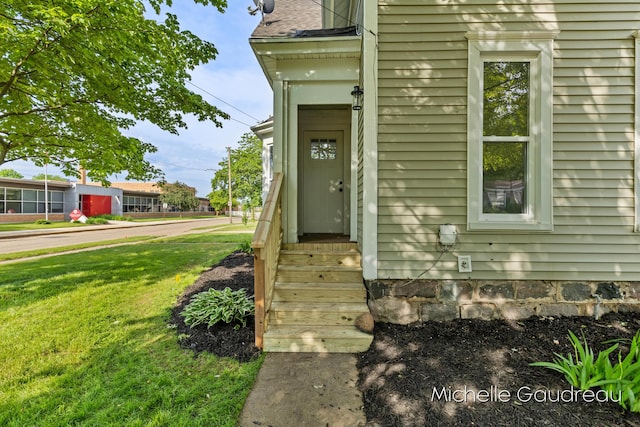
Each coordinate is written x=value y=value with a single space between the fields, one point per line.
x=405 y=302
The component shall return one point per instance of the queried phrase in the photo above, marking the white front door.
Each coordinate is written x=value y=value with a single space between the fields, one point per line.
x=323 y=189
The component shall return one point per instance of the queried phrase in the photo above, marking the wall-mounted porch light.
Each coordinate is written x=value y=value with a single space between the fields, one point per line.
x=357 y=94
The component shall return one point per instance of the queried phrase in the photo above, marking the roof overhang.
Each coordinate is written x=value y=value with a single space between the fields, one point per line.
x=37 y=184
x=269 y=51
x=263 y=129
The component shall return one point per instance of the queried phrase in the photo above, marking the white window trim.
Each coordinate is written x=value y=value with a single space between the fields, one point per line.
x=537 y=48
x=636 y=169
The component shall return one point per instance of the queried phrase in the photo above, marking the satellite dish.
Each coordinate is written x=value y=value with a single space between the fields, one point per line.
x=264 y=6
x=268 y=6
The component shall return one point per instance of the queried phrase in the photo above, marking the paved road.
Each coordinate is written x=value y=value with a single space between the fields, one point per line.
x=25 y=242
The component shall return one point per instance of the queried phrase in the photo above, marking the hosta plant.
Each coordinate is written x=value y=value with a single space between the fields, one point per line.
x=215 y=306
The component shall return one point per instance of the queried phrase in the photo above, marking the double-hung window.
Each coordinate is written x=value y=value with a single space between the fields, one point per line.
x=510 y=131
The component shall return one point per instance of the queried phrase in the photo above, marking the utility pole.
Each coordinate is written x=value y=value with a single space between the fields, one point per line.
x=230 y=198
x=46 y=191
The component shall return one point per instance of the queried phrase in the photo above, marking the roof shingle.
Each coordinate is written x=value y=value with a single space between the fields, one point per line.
x=288 y=17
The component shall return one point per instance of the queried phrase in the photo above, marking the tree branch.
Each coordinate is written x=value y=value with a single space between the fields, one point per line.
x=16 y=69
x=47 y=108
x=40 y=43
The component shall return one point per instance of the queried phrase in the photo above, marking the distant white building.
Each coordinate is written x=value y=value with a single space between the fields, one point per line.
x=23 y=200
x=264 y=131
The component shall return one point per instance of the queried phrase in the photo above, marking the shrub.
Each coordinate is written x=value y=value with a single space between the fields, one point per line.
x=215 y=306
x=43 y=222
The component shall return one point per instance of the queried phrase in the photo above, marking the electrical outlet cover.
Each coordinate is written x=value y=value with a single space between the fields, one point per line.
x=464 y=264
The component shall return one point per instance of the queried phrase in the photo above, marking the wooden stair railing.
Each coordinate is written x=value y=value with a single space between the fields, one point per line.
x=266 y=243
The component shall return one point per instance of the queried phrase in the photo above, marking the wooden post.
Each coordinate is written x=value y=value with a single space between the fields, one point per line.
x=259 y=287
x=266 y=244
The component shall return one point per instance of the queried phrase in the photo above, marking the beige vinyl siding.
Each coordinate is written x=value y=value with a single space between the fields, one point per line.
x=422 y=141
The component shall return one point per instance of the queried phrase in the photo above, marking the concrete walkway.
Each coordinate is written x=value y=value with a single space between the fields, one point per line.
x=305 y=390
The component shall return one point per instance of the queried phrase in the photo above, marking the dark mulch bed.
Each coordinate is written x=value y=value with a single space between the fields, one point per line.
x=407 y=372
x=235 y=272
x=403 y=374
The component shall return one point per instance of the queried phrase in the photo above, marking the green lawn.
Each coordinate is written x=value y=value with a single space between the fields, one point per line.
x=85 y=340
x=20 y=226
x=69 y=248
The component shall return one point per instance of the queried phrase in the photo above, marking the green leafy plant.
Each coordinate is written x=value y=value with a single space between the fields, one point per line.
x=43 y=222
x=246 y=247
x=621 y=381
x=626 y=374
x=585 y=371
x=215 y=306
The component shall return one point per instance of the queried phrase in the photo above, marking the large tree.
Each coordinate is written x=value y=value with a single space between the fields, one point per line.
x=76 y=74
x=49 y=177
x=10 y=173
x=180 y=196
x=246 y=175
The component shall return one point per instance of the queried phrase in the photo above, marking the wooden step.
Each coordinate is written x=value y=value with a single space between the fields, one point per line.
x=321 y=247
x=316 y=313
x=318 y=274
x=329 y=259
x=322 y=339
x=319 y=292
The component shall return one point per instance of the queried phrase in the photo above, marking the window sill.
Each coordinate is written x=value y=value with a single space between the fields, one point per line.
x=509 y=226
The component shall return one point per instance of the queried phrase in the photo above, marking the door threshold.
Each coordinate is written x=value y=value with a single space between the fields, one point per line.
x=323 y=238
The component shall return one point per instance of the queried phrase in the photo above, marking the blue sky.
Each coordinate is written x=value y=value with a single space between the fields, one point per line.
x=234 y=77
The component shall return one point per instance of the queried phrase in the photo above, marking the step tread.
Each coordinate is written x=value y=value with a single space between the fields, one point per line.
x=318 y=285
x=348 y=252
x=327 y=346
x=326 y=294
x=313 y=331
x=301 y=313
x=320 y=259
x=324 y=339
x=318 y=267
x=320 y=247
x=319 y=306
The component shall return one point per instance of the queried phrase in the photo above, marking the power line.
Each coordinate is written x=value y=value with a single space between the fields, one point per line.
x=226 y=103
x=241 y=122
